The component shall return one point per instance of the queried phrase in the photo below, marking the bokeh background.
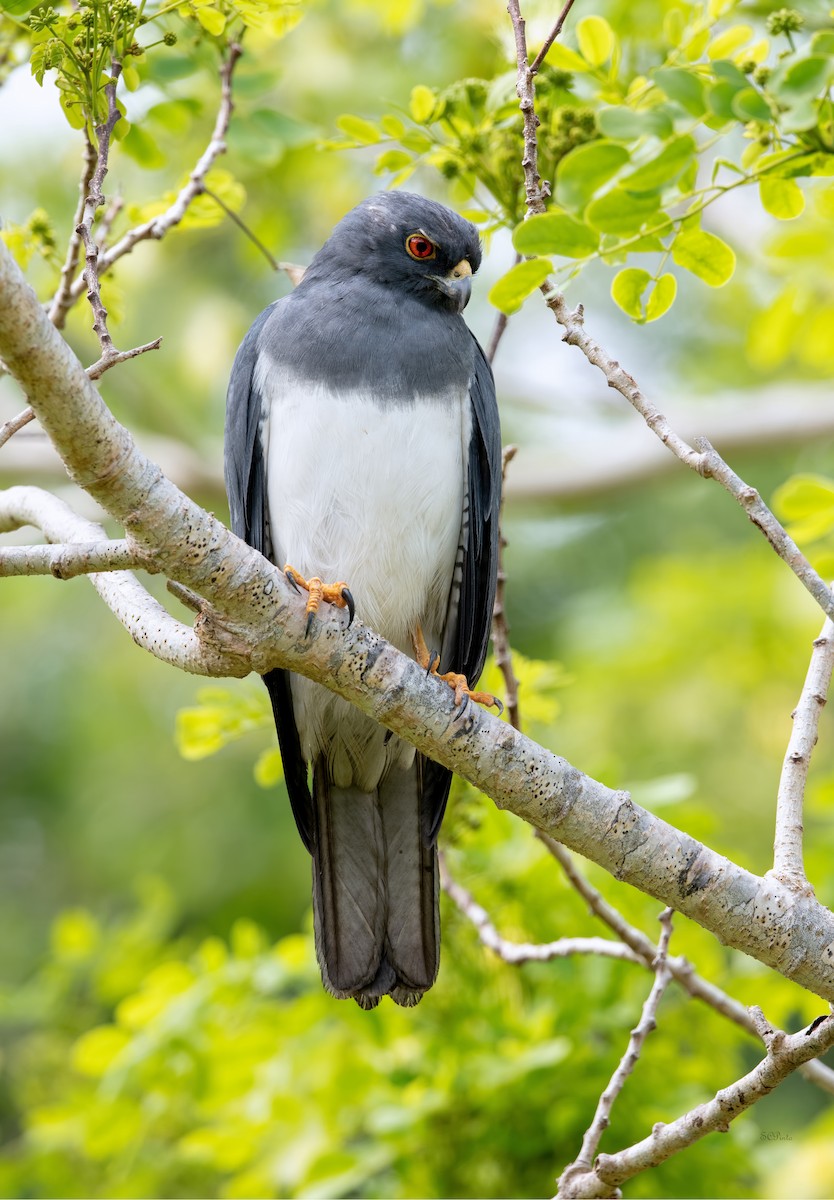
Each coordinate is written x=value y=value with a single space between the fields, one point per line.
x=162 y=1027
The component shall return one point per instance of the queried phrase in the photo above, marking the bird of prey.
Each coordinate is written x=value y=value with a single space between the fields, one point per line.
x=363 y=449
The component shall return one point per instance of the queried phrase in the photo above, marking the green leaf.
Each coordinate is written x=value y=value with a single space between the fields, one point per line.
x=705 y=255
x=95 y=1050
x=625 y=124
x=720 y=99
x=804 y=78
x=622 y=212
x=750 y=105
x=807 y=502
x=800 y=115
x=782 y=198
x=823 y=42
x=566 y=59
x=416 y=141
x=143 y=149
x=664 y=168
x=212 y=20
x=512 y=289
x=555 y=233
x=360 y=130
x=596 y=40
x=392 y=125
x=684 y=87
x=422 y=103
x=627 y=290
x=586 y=168
x=662 y=297
x=269 y=769
x=392 y=160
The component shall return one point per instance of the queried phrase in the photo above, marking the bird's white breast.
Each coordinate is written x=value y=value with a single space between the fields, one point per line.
x=370 y=493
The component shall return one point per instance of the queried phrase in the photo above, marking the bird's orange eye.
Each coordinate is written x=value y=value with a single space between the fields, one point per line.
x=420 y=247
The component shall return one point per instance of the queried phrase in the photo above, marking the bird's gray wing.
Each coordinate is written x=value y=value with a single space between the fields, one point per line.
x=246 y=488
x=470 y=611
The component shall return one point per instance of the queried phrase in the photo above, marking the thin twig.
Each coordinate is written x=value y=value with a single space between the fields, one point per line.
x=65 y=561
x=62 y=300
x=704 y=460
x=788 y=863
x=106 y=223
x=551 y=38
x=119 y=356
x=500 y=625
x=536 y=189
x=241 y=224
x=646 y=1025
x=10 y=428
x=785 y=1053
x=93 y=201
x=497 y=333
x=522 y=952
x=684 y=973
x=158 y=226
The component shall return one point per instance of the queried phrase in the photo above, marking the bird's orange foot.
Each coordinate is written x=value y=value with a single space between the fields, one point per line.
x=332 y=593
x=458 y=683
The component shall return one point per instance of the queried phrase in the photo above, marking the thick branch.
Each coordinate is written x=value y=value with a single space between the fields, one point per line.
x=785 y=1053
x=258 y=623
x=65 y=560
x=788 y=865
x=149 y=624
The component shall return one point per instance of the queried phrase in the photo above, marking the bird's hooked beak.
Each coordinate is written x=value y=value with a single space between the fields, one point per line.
x=457 y=285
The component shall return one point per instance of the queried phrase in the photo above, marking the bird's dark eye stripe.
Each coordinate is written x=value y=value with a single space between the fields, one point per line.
x=420 y=247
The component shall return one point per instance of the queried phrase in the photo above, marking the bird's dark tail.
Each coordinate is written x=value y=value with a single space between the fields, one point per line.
x=375 y=889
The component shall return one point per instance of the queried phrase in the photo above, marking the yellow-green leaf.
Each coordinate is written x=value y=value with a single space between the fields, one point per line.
x=627 y=291
x=512 y=289
x=596 y=39
x=705 y=255
x=422 y=103
x=565 y=59
x=807 y=502
x=782 y=198
x=555 y=233
x=662 y=297
x=94 y=1051
x=269 y=768
x=729 y=41
x=75 y=935
x=212 y=20
x=359 y=129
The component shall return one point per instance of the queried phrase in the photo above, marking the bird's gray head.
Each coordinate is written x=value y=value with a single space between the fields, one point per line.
x=402 y=240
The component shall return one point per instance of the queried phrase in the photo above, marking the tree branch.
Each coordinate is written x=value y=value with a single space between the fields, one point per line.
x=646 y=1025
x=536 y=189
x=62 y=300
x=785 y=1053
x=522 y=952
x=66 y=560
x=551 y=38
x=10 y=428
x=705 y=460
x=788 y=865
x=157 y=227
x=256 y=622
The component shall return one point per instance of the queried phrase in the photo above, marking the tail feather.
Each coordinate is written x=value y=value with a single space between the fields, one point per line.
x=375 y=890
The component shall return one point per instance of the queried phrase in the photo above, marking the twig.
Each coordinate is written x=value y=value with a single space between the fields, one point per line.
x=158 y=226
x=536 y=189
x=551 y=38
x=241 y=224
x=646 y=1025
x=785 y=1053
x=500 y=626
x=522 y=952
x=705 y=460
x=66 y=561
x=10 y=428
x=682 y=970
x=497 y=333
x=788 y=863
x=106 y=223
x=93 y=201
x=62 y=300
x=119 y=356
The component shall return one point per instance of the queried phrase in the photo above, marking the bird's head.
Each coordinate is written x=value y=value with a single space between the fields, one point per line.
x=408 y=243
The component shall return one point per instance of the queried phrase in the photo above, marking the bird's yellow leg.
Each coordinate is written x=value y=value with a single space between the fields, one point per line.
x=458 y=683
x=332 y=593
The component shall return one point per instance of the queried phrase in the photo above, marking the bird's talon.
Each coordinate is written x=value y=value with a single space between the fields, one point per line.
x=433 y=663
x=310 y=618
x=289 y=575
x=498 y=705
x=351 y=607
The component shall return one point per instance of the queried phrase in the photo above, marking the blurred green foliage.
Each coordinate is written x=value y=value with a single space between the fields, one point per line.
x=163 y=1031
